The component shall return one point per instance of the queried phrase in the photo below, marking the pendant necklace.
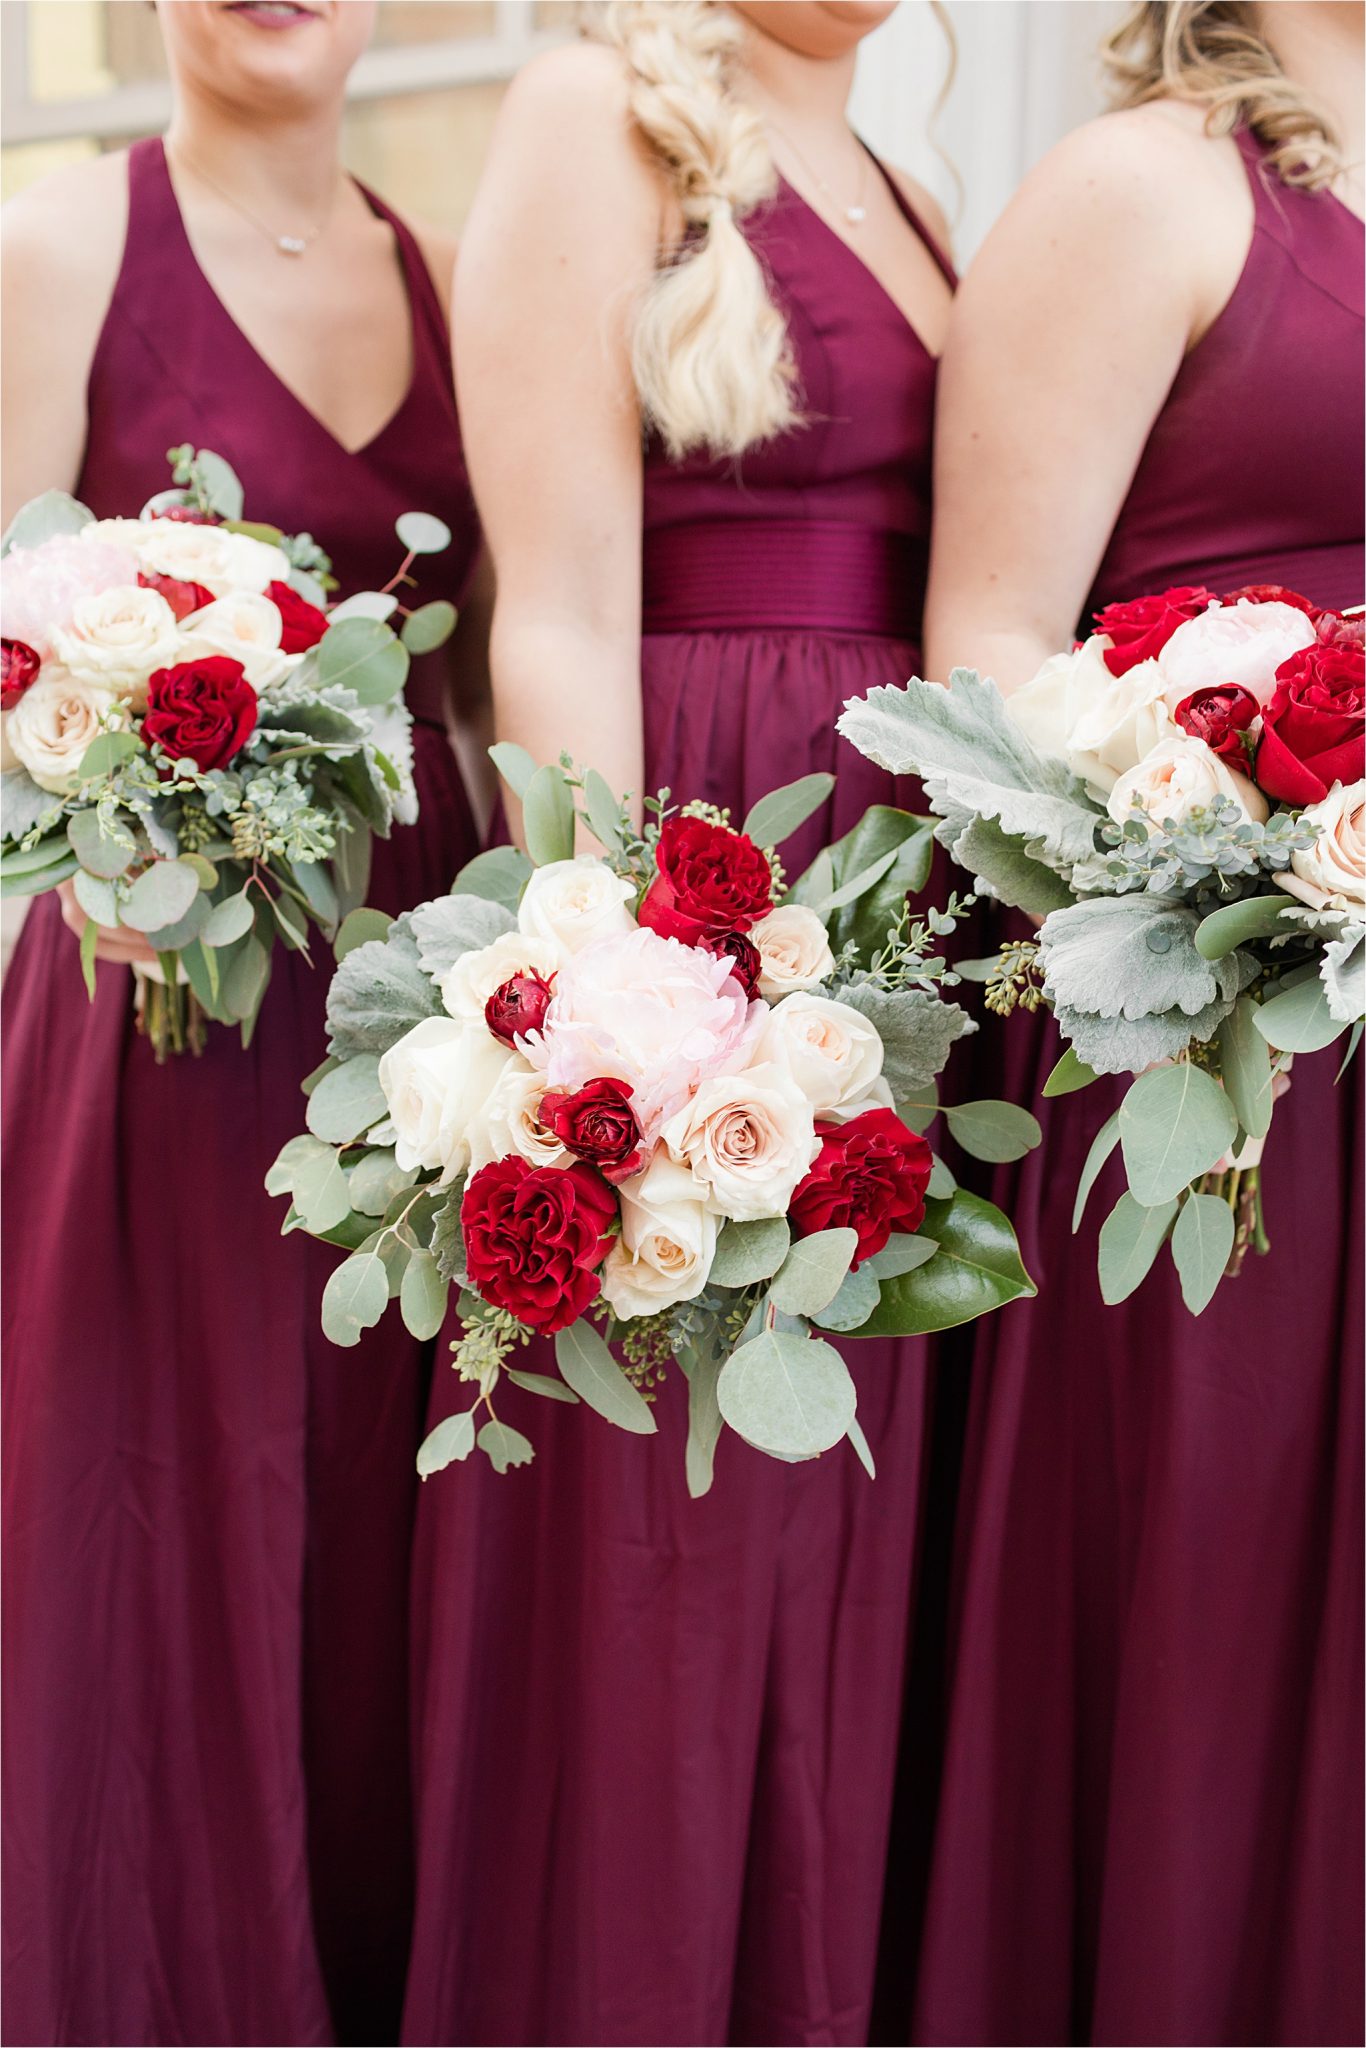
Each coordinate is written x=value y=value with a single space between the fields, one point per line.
x=284 y=245
x=855 y=214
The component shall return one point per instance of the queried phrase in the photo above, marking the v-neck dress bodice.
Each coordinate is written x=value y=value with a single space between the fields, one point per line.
x=207 y=1507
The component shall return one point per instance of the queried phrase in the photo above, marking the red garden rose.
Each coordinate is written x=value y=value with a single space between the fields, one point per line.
x=1314 y=728
x=709 y=879
x=1272 y=593
x=183 y=597
x=743 y=955
x=1142 y=628
x=21 y=666
x=535 y=1237
x=596 y=1123
x=1219 y=717
x=870 y=1175
x=1335 y=631
x=518 y=1007
x=202 y=710
x=304 y=625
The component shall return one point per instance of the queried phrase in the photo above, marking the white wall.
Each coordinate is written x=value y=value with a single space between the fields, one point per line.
x=1026 y=73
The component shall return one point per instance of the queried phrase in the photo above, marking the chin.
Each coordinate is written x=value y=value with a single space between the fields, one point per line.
x=816 y=28
x=288 y=53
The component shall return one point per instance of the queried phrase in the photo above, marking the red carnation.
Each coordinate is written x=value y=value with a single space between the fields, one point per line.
x=21 y=666
x=517 y=1007
x=596 y=1123
x=870 y=1176
x=182 y=596
x=1314 y=728
x=204 y=711
x=709 y=879
x=1272 y=593
x=304 y=625
x=1219 y=717
x=1142 y=628
x=535 y=1237
x=744 y=957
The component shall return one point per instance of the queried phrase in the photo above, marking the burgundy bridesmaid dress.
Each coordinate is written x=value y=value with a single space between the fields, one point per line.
x=656 y=1735
x=1150 y=1828
x=208 y=1508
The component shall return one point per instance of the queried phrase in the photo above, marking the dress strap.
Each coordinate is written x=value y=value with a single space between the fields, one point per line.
x=429 y=315
x=909 y=212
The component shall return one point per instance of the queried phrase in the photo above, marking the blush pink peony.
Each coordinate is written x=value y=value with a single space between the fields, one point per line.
x=40 y=587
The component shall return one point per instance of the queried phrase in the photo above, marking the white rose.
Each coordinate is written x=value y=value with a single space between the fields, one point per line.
x=1331 y=875
x=667 y=1242
x=832 y=1053
x=116 y=638
x=438 y=1081
x=1124 y=718
x=1046 y=708
x=574 y=902
x=54 y=722
x=223 y=562
x=749 y=1138
x=1243 y=643
x=511 y=1121
x=794 y=950
x=1180 y=776
x=468 y=985
x=245 y=627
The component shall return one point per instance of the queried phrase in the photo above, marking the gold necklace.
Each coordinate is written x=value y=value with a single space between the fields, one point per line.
x=855 y=214
x=285 y=245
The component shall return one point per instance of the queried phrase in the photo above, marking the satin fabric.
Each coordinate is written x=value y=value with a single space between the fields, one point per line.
x=207 y=1507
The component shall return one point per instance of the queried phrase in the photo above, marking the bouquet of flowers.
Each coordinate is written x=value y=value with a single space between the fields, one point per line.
x=655 y=1099
x=1181 y=800
x=193 y=739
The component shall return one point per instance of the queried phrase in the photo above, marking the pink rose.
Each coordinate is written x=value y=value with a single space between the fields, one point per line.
x=40 y=587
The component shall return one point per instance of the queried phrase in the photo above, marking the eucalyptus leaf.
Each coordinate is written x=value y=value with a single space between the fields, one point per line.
x=514 y=764
x=701 y=1369
x=604 y=812
x=589 y=1368
x=850 y=1309
x=860 y=1443
x=777 y=816
x=36 y=880
x=422 y=533
x=358 y=928
x=1102 y=1145
x=1175 y=1123
x=548 y=817
x=108 y=751
x=790 y=1396
x=220 y=484
x=1255 y=917
x=901 y=1254
x=185 y=930
x=504 y=1447
x=500 y=875
x=30 y=860
x=451 y=1440
x=161 y=894
x=365 y=657
x=749 y=1252
x=98 y=852
x=320 y=1191
x=541 y=1383
x=1299 y=1020
x=1130 y=1239
x=364 y=604
x=43 y=518
x=315 y=882
x=376 y=1179
x=1068 y=1075
x=941 y=1184
x=231 y=919
x=347 y=1101
x=1245 y=1068
x=976 y=1268
x=422 y=1297
x=995 y=1131
x=244 y=984
x=354 y=1298
x=97 y=899
x=1201 y=1243
x=429 y=627
x=810 y=1276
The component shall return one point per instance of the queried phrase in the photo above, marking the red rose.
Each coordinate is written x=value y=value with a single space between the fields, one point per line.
x=1335 y=631
x=743 y=955
x=21 y=666
x=517 y=1006
x=182 y=597
x=535 y=1237
x=1272 y=593
x=183 y=515
x=1143 y=627
x=1314 y=728
x=709 y=879
x=304 y=625
x=596 y=1123
x=201 y=710
x=1218 y=717
x=870 y=1175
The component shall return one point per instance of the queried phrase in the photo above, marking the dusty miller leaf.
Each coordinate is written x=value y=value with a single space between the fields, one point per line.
x=916 y=1030
x=455 y=925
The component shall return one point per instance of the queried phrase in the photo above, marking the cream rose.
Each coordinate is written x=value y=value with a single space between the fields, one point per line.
x=1331 y=874
x=117 y=638
x=466 y=987
x=245 y=627
x=1179 y=776
x=1047 y=707
x=223 y=562
x=1124 y=718
x=511 y=1122
x=667 y=1242
x=1243 y=643
x=749 y=1138
x=574 y=902
x=54 y=722
x=438 y=1081
x=794 y=950
x=832 y=1053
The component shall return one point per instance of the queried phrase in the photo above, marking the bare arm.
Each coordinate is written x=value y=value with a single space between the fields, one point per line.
x=562 y=238
x=1108 y=265
x=471 y=701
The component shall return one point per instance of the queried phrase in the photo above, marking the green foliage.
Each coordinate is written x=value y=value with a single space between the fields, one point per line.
x=161 y=894
x=701 y=1366
x=1201 y=1243
x=789 y=1395
x=851 y=1307
x=1343 y=973
x=917 y=1030
x=1300 y=1018
x=1068 y=1075
x=378 y=993
x=422 y=533
x=1213 y=848
x=429 y=627
x=1102 y=1145
x=777 y=816
x=444 y=931
x=347 y=1101
x=25 y=806
x=514 y=764
x=991 y=1130
x=548 y=816
x=1130 y=1239
x=498 y=876
x=422 y=1296
x=901 y=1254
x=1127 y=983
x=44 y=518
x=354 y=1298
x=1245 y=1068
x=811 y=1275
x=976 y=1268
x=872 y=870
x=366 y=657
x=749 y=1252
x=451 y=1440
x=504 y=1447
x=1252 y=917
x=1175 y=1124
x=589 y=1368
x=99 y=852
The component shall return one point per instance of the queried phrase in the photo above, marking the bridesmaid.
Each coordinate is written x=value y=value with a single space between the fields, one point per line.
x=657 y=1735
x=207 y=1508
x=1151 y=1820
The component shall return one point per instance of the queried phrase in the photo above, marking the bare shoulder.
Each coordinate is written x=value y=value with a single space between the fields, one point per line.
x=1150 y=168
x=63 y=247
x=439 y=247
x=572 y=105
x=923 y=204
x=573 y=86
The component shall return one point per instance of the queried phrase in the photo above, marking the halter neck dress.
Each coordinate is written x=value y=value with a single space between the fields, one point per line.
x=1150 y=1827
x=657 y=1735
x=207 y=1507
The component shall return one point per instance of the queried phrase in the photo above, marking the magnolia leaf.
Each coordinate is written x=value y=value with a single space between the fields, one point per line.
x=1102 y=1145
x=701 y=1369
x=98 y=852
x=1245 y=1068
x=347 y=1101
x=161 y=894
x=589 y=1368
x=1130 y=1239
x=422 y=533
x=514 y=764
x=452 y=926
x=777 y=816
x=43 y=518
x=1068 y=1075
x=996 y=1131
x=916 y=1030
x=790 y=1396
x=1255 y=917
x=810 y=1276
x=377 y=994
x=541 y=1383
x=548 y=817
x=854 y=1303
x=815 y=885
x=449 y=1441
x=749 y=1252
x=231 y=919
x=429 y=627
x=498 y=876
x=504 y=1447
x=881 y=831
x=1300 y=1019
x=1175 y=1123
x=901 y=1254
x=976 y=1268
x=1201 y=1243
x=422 y=1297
x=354 y=1298
x=1344 y=974
x=24 y=805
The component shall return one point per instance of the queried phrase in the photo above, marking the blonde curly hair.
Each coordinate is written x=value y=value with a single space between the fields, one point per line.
x=1214 y=53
